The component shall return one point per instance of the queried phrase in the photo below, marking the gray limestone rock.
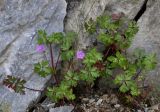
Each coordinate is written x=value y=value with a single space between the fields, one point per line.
x=19 y=21
x=82 y=10
x=62 y=109
x=148 y=38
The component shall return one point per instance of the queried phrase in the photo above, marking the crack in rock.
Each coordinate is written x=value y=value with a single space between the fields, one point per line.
x=141 y=11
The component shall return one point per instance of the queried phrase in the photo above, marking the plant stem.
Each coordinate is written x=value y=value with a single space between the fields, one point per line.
x=52 y=63
x=33 y=89
x=137 y=74
x=51 y=53
x=58 y=59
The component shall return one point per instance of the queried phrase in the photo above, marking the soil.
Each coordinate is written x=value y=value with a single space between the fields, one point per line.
x=112 y=101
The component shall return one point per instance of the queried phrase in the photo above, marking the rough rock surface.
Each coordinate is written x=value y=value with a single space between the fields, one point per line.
x=19 y=21
x=148 y=38
x=62 y=109
x=82 y=10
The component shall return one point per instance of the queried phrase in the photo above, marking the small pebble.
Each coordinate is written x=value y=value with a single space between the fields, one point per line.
x=117 y=105
x=91 y=100
x=85 y=100
x=139 y=111
x=99 y=102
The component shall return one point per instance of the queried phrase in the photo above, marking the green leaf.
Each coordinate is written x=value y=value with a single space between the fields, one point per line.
x=150 y=62
x=92 y=57
x=119 y=79
x=94 y=72
x=104 y=21
x=122 y=78
x=56 y=38
x=122 y=61
x=71 y=78
x=68 y=41
x=131 y=31
x=118 y=61
x=67 y=55
x=112 y=59
x=131 y=70
x=42 y=37
x=108 y=72
x=135 y=91
x=60 y=92
x=17 y=84
x=105 y=38
x=43 y=69
x=139 y=53
x=124 y=88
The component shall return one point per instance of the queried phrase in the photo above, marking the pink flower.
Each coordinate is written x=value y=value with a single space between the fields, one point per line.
x=80 y=54
x=40 y=48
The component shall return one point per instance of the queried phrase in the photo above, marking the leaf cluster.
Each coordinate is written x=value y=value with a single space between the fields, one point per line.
x=17 y=84
x=115 y=37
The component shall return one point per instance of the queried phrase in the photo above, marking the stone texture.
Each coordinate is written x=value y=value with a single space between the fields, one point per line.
x=148 y=38
x=76 y=17
x=129 y=7
x=82 y=10
x=19 y=21
x=62 y=109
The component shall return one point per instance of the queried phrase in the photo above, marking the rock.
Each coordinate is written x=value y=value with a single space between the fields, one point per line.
x=117 y=105
x=106 y=98
x=76 y=18
x=62 y=109
x=155 y=107
x=148 y=38
x=128 y=7
x=19 y=21
x=91 y=100
x=99 y=102
x=85 y=100
x=139 y=111
x=114 y=99
x=85 y=9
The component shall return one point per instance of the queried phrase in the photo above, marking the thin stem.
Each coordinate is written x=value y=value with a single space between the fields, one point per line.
x=52 y=63
x=69 y=66
x=137 y=74
x=107 y=52
x=52 y=58
x=33 y=89
x=58 y=59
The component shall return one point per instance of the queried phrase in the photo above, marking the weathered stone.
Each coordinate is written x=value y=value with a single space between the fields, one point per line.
x=99 y=102
x=62 y=109
x=87 y=9
x=19 y=21
x=129 y=7
x=75 y=18
x=148 y=38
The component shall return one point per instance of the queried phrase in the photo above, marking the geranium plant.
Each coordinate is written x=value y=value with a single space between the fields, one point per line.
x=115 y=34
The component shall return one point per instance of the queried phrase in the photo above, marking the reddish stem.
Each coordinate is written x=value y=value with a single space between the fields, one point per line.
x=69 y=66
x=51 y=53
x=106 y=54
x=52 y=63
x=58 y=59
